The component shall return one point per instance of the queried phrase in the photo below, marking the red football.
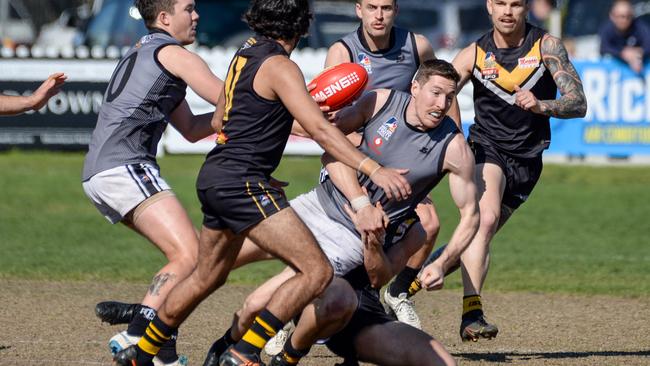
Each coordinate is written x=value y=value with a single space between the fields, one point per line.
x=340 y=84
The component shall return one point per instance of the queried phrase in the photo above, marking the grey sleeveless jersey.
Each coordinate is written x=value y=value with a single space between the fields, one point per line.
x=136 y=107
x=392 y=142
x=392 y=68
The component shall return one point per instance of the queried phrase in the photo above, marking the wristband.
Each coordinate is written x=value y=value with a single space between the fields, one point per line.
x=359 y=203
x=368 y=166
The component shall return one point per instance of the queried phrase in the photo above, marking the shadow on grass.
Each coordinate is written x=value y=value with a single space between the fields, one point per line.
x=506 y=357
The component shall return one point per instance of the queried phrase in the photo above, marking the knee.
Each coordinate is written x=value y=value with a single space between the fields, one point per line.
x=339 y=307
x=252 y=305
x=489 y=221
x=185 y=257
x=321 y=277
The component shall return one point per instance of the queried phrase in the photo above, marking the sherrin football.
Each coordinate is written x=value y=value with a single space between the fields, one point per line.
x=340 y=84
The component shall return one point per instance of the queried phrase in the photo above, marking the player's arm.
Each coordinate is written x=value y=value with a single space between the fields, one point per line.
x=463 y=63
x=280 y=76
x=572 y=102
x=191 y=68
x=337 y=54
x=10 y=104
x=459 y=162
x=197 y=127
x=424 y=48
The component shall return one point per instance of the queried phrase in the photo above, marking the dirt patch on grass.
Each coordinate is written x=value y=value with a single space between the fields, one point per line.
x=53 y=323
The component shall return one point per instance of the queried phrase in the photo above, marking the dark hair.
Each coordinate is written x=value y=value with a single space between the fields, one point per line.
x=438 y=67
x=279 y=19
x=394 y=2
x=149 y=9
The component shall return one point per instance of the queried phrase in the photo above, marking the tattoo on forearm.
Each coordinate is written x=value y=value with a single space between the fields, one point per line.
x=159 y=281
x=572 y=102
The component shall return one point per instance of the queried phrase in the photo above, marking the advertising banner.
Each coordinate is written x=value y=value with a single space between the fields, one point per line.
x=618 y=113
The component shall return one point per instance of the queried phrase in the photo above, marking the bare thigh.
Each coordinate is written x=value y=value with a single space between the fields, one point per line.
x=399 y=344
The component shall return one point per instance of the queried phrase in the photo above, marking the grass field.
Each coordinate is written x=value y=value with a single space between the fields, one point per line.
x=584 y=229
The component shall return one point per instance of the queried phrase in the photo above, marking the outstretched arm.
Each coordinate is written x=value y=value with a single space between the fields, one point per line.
x=572 y=102
x=459 y=161
x=19 y=104
x=282 y=77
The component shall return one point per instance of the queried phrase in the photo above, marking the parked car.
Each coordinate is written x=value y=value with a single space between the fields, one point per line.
x=447 y=23
x=16 y=25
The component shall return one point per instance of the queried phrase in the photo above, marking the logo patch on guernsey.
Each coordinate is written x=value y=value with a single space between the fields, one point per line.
x=264 y=200
x=364 y=60
x=490 y=70
x=387 y=129
x=529 y=62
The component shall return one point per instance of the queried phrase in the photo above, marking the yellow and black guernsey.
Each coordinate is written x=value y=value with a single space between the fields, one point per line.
x=499 y=122
x=255 y=129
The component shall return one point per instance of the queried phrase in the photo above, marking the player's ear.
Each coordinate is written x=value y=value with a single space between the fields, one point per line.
x=415 y=88
x=357 y=8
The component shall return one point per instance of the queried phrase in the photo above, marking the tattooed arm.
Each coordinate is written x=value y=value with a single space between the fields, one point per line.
x=572 y=102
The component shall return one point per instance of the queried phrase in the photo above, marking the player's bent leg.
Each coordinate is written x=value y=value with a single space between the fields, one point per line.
x=217 y=253
x=398 y=344
x=491 y=184
x=164 y=221
x=286 y=237
x=326 y=315
x=250 y=253
x=475 y=259
x=397 y=295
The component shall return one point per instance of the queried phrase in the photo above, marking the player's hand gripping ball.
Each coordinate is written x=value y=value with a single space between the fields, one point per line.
x=340 y=85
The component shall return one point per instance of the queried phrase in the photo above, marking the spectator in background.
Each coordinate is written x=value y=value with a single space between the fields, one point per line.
x=540 y=12
x=625 y=37
x=10 y=104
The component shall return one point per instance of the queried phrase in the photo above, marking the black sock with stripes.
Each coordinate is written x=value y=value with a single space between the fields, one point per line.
x=140 y=321
x=265 y=326
x=154 y=337
x=167 y=353
x=403 y=281
x=291 y=355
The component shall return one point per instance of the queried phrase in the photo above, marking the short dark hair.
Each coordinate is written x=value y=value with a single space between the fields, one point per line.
x=438 y=67
x=394 y=2
x=279 y=19
x=149 y=9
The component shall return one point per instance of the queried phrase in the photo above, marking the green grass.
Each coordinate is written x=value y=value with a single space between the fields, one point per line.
x=584 y=229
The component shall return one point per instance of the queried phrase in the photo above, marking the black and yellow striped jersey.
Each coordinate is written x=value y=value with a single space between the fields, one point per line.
x=496 y=72
x=255 y=129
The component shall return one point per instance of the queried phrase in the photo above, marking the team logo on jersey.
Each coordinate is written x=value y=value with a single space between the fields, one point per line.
x=529 y=62
x=387 y=129
x=264 y=200
x=364 y=60
x=490 y=70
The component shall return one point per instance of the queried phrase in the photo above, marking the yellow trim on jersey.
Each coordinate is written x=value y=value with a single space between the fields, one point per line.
x=231 y=81
x=509 y=79
x=259 y=207
x=269 y=196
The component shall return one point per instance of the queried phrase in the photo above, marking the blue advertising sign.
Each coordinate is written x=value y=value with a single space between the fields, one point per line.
x=618 y=113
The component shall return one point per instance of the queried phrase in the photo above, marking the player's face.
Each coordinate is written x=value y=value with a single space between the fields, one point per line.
x=508 y=16
x=433 y=99
x=183 y=22
x=377 y=16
